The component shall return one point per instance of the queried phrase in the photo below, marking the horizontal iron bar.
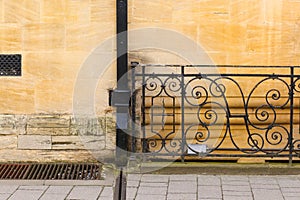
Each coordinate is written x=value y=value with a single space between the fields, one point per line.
x=248 y=155
x=218 y=66
x=237 y=116
x=248 y=149
x=219 y=75
x=220 y=155
x=166 y=115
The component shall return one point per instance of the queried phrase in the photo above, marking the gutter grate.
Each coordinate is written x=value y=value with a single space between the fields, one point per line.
x=64 y=171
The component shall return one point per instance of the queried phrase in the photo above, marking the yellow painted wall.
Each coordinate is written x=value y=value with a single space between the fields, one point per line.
x=56 y=36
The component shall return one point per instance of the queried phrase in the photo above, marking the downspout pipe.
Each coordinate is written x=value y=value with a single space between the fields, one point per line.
x=122 y=91
x=119 y=95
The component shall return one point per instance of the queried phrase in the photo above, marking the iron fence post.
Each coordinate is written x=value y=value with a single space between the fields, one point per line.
x=292 y=87
x=143 y=111
x=133 y=107
x=183 y=144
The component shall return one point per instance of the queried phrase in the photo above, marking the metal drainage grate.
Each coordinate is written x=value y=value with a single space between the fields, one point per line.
x=51 y=171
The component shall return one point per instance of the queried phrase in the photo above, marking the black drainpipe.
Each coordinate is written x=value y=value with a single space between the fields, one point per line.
x=120 y=99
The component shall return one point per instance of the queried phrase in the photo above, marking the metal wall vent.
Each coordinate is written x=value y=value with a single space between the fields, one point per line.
x=10 y=65
x=51 y=171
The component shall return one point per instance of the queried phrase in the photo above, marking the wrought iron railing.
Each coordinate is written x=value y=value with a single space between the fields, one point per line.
x=216 y=111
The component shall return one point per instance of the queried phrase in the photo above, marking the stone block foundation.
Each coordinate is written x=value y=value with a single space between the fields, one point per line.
x=56 y=138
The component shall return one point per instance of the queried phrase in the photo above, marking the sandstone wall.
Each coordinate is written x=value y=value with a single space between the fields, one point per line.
x=234 y=32
x=55 y=37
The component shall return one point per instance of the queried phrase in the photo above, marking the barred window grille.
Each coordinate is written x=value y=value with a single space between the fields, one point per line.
x=10 y=64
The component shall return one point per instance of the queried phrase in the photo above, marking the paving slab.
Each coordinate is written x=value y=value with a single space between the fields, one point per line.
x=291 y=194
x=264 y=186
x=33 y=187
x=209 y=192
x=207 y=198
x=61 y=189
x=262 y=194
x=152 y=190
x=236 y=188
x=181 y=196
x=237 y=197
x=110 y=198
x=189 y=177
x=50 y=196
x=134 y=177
x=153 y=184
x=166 y=187
x=4 y=196
x=209 y=180
x=155 y=178
x=107 y=192
x=8 y=188
x=133 y=183
x=182 y=187
x=234 y=178
x=26 y=195
x=291 y=198
x=237 y=193
x=85 y=192
x=263 y=180
x=150 y=197
x=131 y=192
x=236 y=183
x=290 y=190
x=107 y=182
x=291 y=183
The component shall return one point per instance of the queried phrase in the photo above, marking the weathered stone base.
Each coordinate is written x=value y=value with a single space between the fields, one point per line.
x=56 y=138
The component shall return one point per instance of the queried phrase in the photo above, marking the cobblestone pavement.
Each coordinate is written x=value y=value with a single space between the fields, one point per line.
x=165 y=187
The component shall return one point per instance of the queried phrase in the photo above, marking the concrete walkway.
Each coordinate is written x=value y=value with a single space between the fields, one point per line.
x=156 y=187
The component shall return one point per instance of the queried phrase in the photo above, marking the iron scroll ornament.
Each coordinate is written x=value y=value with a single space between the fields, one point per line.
x=262 y=115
